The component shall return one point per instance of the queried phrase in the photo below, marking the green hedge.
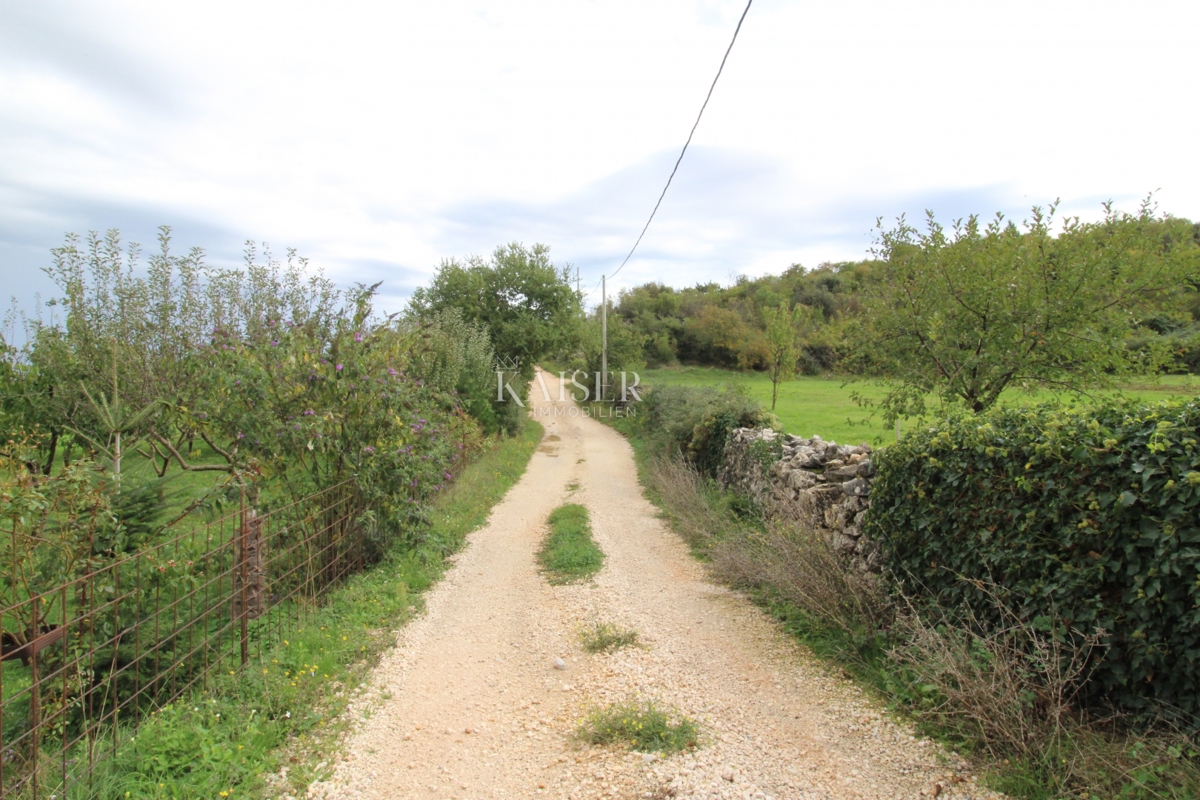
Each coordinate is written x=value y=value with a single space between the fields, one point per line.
x=1089 y=517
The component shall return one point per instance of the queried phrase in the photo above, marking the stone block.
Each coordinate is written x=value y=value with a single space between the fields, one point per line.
x=857 y=487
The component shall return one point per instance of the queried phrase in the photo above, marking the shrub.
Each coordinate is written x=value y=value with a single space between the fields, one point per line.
x=697 y=421
x=457 y=356
x=1088 y=516
x=625 y=347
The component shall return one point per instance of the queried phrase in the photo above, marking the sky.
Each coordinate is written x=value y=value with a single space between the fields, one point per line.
x=379 y=138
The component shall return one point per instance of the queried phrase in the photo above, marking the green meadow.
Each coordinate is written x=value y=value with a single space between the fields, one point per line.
x=824 y=405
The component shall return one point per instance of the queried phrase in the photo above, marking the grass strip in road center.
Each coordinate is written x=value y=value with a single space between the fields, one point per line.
x=569 y=554
x=643 y=725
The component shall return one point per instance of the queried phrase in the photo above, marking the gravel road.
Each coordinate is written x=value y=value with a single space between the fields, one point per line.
x=470 y=703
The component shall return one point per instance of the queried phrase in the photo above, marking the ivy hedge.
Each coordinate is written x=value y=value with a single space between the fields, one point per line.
x=1075 y=520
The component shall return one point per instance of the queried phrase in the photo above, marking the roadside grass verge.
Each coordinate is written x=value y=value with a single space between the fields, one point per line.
x=272 y=728
x=642 y=725
x=569 y=554
x=601 y=637
x=1003 y=700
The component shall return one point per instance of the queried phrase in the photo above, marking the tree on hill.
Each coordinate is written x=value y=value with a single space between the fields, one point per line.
x=967 y=313
x=525 y=301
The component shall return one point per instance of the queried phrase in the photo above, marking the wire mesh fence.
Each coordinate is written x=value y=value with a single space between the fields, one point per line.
x=90 y=656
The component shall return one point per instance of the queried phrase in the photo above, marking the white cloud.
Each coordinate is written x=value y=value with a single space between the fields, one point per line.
x=381 y=137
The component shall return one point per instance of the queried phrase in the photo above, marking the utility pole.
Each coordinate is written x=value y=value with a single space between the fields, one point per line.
x=603 y=335
x=578 y=288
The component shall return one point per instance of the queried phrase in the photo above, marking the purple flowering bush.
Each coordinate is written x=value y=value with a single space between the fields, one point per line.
x=323 y=405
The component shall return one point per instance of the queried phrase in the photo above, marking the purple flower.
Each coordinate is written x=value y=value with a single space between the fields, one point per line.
x=274 y=343
x=392 y=372
x=414 y=483
x=241 y=435
x=447 y=474
x=368 y=449
x=309 y=412
x=338 y=367
x=358 y=336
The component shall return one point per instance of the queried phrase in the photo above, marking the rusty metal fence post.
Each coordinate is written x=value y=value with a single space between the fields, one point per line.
x=249 y=574
x=242 y=573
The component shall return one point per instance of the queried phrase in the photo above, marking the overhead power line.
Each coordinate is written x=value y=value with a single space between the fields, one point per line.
x=692 y=133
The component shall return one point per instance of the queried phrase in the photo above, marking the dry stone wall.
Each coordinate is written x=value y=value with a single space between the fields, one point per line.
x=810 y=481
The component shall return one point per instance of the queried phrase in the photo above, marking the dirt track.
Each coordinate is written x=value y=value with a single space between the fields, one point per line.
x=469 y=704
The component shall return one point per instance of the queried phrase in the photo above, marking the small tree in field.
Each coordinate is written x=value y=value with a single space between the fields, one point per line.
x=784 y=339
x=964 y=315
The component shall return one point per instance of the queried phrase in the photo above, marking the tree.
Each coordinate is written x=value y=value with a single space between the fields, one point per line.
x=786 y=335
x=626 y=347
x=716 y=335
x=525 y=301
x=782 y=346
x=967 y=314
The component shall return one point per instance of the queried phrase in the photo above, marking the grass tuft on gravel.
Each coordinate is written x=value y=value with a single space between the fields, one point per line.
x=602 y=637
x=569 y=554
x=643 y=725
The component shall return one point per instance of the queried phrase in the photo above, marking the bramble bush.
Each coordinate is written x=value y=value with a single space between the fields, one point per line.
x=1076 y=520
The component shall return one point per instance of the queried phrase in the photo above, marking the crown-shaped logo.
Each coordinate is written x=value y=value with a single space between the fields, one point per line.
x=508 y=364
